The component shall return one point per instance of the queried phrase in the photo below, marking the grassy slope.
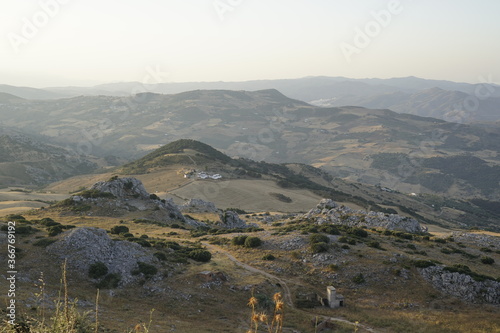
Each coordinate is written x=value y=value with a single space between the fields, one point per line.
x=385 y=301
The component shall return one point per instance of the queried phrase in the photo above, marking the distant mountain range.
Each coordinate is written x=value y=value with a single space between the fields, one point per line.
x=452 y=101
x=376 y=146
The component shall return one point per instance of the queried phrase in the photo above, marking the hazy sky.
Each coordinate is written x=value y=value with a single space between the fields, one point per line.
x=75 y=42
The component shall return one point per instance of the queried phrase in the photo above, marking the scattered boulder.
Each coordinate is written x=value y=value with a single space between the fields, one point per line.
x=231 y=220
x=462 y=286
x=82 y=247
x=123 y=188
x=198 y=206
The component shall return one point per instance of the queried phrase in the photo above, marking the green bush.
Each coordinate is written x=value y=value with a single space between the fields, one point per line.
x=329 y=229
x=48 y=222
x=161 y=256
x=343 y=239
x=487 y=260
x=253 y=242
x=411 y=246
x=44 y=242
x=111 y=280
x=319 y=247
x=423 y=263
x=95 y=194
x=119 y=229
x=55 y=230
x=268 y=257
x=146 y=269
x=200 y=255
x=318 y=238
x=24 y=229
x=374 y=244
x=142 y=242
x=97 y=270
x=359 y=279
x=358 y=232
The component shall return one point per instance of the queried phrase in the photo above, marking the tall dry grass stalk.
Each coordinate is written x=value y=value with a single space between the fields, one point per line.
x=276 y=323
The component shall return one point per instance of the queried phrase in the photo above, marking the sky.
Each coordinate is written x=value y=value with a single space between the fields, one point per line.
x=47 y=43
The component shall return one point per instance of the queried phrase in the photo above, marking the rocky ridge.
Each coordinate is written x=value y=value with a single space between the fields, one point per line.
x=129 y=194
x=462 y=286
x=328 y=211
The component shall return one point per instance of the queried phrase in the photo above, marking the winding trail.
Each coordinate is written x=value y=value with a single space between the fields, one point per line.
x=286 y=290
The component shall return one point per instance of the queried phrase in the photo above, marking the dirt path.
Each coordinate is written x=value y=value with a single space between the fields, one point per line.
x=286 y=290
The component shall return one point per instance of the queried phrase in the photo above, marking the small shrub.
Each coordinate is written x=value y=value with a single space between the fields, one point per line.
x=268 y=257
x=358 y=232
x=95 y=194
x=55 y=230
x=153 y=196
x=97 y=270
x=319 y=247
x=111 y=280
x=423 y=263
x=374 y=244
x=239 y=240
x=147 y=269
x=411 y=246
x=142 y=242
x=351 y=241
x=119 y=229
x=24 y=229
x=333 y=267
x=485 y=249
x=318 y=238
x=329 y=229
x=359 y=279
x=343 y=239
x=44 y=242
x=48 y=222
x=487 y=260
x=161 y=256
x=345 y=247
x=200 y=255
x=253 y=242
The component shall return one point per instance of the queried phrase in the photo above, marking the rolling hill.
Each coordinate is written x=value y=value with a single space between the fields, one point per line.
x=268 y=126
x=180 y=170
x=24 y=161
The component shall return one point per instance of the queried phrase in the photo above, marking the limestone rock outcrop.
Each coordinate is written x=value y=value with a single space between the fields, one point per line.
x=328 y=211
x=82 y=247
x=462 y=286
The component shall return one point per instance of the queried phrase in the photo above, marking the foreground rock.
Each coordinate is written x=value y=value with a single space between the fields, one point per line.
x=231 y=220
x=82 y=247
x=462 y=286
x=328 y=211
